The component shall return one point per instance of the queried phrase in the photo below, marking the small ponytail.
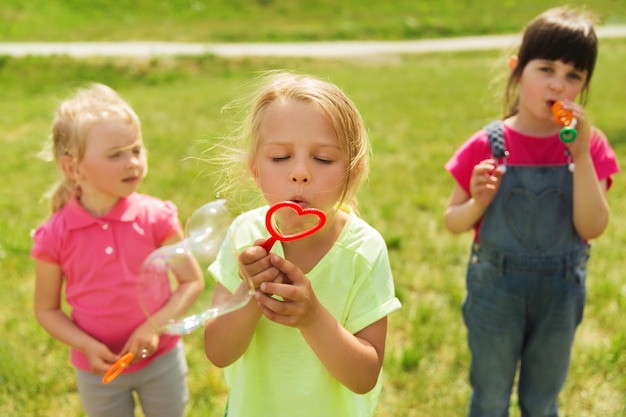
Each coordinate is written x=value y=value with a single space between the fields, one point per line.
x=61 y=193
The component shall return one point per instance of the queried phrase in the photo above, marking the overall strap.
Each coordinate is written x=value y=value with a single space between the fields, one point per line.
x=495 y=133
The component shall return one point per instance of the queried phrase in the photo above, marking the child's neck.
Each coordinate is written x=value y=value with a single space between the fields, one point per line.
x=96 y=208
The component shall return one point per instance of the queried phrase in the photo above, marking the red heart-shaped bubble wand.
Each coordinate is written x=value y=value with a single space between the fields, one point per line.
x=275 y=235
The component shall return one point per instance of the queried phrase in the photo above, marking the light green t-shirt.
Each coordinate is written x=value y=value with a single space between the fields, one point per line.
x=279 y=375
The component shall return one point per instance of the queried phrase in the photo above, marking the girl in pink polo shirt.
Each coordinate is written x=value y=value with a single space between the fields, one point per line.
x=94 y=243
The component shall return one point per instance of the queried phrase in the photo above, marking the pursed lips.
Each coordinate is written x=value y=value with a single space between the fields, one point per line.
x=299 y=201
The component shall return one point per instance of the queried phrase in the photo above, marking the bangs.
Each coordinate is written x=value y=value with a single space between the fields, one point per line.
x=558 y=34
x=576 y=45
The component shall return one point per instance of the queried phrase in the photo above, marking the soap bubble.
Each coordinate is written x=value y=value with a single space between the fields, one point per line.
x=158 y=278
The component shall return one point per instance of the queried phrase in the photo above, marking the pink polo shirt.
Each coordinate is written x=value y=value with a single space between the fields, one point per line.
x=100 y=258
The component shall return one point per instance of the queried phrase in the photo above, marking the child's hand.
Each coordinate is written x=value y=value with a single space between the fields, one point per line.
x=100 y=357
x=579 y=148
x=299 y=304
x=143 y=342
x=485 y=182
x=254 y=263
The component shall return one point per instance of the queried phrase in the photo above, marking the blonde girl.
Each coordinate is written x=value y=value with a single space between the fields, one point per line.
x=93 y=245
x=311 y=341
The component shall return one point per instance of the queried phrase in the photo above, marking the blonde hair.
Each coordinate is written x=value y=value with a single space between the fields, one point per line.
x=73 y=120
x=280 y=86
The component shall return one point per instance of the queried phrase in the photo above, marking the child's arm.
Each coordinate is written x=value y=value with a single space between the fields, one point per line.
x=591 y=209
x=226 y=338
x=354 y=360
x=47 y=304
x=190 y=286
x=463 y=210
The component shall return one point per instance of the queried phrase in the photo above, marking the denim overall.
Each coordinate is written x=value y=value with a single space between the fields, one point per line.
x=525 y=290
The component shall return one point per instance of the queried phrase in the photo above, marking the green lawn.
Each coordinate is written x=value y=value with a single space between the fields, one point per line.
x=272 y=20
x=418 y=110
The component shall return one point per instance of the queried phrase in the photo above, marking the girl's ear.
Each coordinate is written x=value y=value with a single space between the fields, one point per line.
x=68 y=165
x=513 y=61
x=254 y=170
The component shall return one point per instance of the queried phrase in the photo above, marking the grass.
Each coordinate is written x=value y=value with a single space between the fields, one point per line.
x=418 y=110
x=271 y=20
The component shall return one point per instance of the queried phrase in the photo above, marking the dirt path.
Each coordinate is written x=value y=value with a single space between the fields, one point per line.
x=345 y=49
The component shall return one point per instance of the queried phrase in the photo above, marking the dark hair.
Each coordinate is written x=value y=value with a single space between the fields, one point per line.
x=561 y=34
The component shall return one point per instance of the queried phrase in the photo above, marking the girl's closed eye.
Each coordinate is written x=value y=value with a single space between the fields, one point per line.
x=324 y=160
x=280 y=158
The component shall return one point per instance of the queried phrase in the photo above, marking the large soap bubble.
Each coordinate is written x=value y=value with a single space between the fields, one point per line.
x=158 y=280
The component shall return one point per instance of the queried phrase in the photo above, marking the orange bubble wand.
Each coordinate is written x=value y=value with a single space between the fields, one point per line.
x=567 y=120
x=118 y=367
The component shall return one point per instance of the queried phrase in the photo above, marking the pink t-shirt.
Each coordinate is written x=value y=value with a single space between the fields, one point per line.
x=100 y=258
x=529 y=150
